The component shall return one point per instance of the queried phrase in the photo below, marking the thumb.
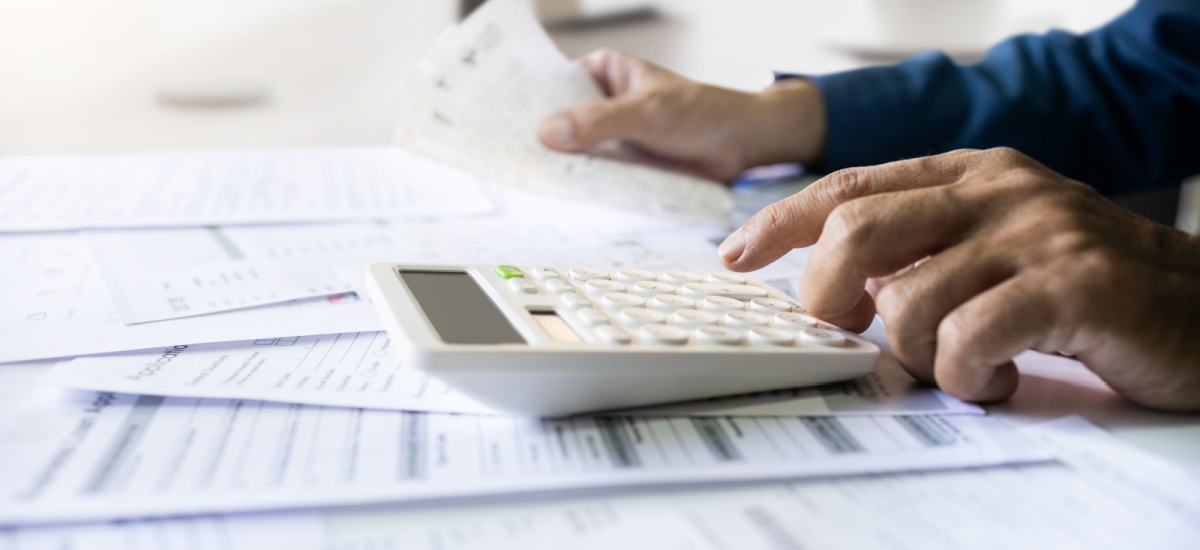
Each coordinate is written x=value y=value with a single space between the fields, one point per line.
x=586 y=126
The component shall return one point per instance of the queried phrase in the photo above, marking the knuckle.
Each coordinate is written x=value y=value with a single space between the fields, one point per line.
x=892 y=303
x=1021 y=182
x=1102 y=264
x=1071 y=242
x=966 y=152
x=774 y=220
x=849 y=225
x=844 y=185
x=955 y=332
x=1007 y=155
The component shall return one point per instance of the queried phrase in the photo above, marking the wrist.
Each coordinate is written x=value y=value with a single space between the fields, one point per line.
x=788 y=124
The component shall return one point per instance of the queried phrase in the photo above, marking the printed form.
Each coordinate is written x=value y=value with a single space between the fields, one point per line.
x=366 y=370
x=56 y=306
x=1102 y=494
x=98 y=455
x=229 y=268
x=230 y=187
x=484 y=86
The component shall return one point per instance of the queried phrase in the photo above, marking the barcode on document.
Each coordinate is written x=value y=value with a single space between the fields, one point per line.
x=832 y=435
x=931 y=431
x=616 y=441
x=716 y=439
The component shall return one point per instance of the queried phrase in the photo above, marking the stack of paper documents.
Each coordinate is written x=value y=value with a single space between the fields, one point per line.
x=219 y=382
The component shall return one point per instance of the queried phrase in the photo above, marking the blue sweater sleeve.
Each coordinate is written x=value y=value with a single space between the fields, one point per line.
x=1117 y=108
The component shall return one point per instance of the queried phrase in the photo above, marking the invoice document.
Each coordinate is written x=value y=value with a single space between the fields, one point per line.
x=1102 y=494
x=366 y=369
x=56 y=306
x=230 y=187
x=479 y=94
x=99 y=455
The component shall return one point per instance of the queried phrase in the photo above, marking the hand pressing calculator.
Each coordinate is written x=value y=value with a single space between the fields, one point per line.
x=554 y=341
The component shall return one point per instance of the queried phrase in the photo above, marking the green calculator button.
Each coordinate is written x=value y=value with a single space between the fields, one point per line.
x=509 y=272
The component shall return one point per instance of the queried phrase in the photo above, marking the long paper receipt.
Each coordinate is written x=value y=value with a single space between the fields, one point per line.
x=483 y=88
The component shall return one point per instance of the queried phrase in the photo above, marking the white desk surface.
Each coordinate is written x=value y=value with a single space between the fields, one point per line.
x=81 y=77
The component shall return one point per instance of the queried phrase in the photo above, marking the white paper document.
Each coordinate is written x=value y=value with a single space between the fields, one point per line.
x=56 y=306
x=97 y=455
x=229 y=268
x=1103 y=495
x=233 y=267
x=291 y=531
x=366 y=370
x=230 y=187
x=483 y=88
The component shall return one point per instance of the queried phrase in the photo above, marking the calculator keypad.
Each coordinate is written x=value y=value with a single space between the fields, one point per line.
x=675 y=308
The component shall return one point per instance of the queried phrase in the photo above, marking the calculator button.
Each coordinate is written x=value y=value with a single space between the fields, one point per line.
x=724 y=278
x=574 y=301
x=621 y=300
x=600 y=287
x=741 y=292
x=587 y=273
x=713 y=334
x=821 y=337
x=680 y=277
x=772 y=336
x=793 y=321
x=650 y=289
x=509 y=272
x=693 y=318
x=671 y=302
x=559 y=286
x=745 y=319
x=663 y=334
x=523 y=285
x=592 y=317
x=631 y=276
x=769 y=306
x=796 y=305
x=721 y=304
x=613 y=335
x=638 y=316
x=545 y=273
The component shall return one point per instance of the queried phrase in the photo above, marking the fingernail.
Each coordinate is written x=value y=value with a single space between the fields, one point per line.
x=733 y=246
x=557 y=131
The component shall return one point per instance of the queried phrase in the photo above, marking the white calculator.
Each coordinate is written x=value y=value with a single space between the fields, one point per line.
x=552 y=341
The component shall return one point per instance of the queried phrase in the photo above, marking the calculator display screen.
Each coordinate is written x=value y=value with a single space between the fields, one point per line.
x=458 y=309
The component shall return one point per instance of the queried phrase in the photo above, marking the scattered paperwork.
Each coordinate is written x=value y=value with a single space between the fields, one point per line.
x=1103 y=494
x=227 y=268
x=480 y=93
x=97 y=455
x=366 y=369
x=230 y=187
x=56 y=306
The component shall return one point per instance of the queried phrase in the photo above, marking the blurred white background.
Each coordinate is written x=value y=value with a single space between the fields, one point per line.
x=108 y=76
x=87 y=76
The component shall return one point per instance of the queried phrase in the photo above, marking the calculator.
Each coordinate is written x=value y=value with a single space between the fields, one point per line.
x=552 y=341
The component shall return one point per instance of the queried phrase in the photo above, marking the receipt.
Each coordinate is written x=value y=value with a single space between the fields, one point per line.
x=480 y=93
